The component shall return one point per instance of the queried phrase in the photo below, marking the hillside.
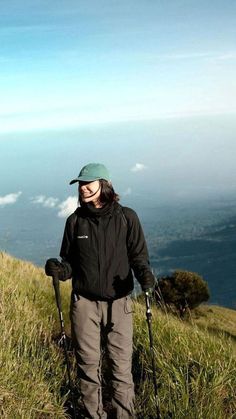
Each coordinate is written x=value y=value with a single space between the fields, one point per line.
x=217 y=320
x=195 y=360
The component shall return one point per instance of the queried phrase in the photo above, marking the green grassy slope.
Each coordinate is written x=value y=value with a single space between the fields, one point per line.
x=30 y=364
x=195 y=360
x=217 y=320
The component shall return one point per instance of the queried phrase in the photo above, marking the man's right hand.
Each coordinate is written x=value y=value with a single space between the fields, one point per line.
x=62 y=270
x=53 y=267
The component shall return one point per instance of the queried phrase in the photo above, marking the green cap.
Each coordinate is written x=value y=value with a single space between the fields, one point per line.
x=91 y=172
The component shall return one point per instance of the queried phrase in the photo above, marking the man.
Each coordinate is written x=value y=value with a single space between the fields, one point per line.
x=103 y=243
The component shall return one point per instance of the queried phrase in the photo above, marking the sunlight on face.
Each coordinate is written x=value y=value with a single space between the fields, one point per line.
x=90 y=191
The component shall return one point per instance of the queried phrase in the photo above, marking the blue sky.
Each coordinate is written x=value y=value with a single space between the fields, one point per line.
x=146 y=87
x=65 y=64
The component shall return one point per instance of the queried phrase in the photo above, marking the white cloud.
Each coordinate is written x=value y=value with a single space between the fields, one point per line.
x=138 y=167
x=68 y=206
x=65 y=207
x=195 y=55
x=9 y=199
x=39 y=199
x=46 y=202
x=127 y=192
x=227 y=56
x=18 y=117
x=50 y=202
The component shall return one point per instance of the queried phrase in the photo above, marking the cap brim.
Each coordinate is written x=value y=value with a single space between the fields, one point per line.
x=73 y=181
x=83 y=179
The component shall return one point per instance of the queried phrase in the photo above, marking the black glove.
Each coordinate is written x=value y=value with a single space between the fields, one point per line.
x=148 y=281
x=62 y=270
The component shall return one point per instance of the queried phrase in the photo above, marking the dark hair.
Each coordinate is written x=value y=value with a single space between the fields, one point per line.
x=108 y=195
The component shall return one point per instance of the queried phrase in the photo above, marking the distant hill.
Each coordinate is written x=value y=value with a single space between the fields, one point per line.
x=195 y=360
x=208 y=250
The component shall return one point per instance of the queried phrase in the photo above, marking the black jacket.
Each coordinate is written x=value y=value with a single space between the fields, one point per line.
x=103 y=246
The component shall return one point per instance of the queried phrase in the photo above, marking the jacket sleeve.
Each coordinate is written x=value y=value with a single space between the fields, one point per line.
x=67 y=247
x=138 y=252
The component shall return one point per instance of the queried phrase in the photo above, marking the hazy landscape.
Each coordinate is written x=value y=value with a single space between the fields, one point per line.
x=178 y=174
x=198 y=236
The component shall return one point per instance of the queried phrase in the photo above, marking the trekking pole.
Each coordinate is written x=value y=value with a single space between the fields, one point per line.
x=149 y=321
x=73 y=405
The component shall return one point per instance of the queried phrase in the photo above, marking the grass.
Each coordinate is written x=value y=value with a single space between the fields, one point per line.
x=30 y=365
x=196 y=370
x=195 y=360
x=219 y=321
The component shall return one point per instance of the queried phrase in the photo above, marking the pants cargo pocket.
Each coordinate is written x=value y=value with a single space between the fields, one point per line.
x=128 y=305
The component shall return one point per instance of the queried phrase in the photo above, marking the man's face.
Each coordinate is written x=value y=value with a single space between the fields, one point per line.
x=89 y=191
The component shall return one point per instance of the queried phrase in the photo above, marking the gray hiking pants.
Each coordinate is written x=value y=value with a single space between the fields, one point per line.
x=89 y=319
